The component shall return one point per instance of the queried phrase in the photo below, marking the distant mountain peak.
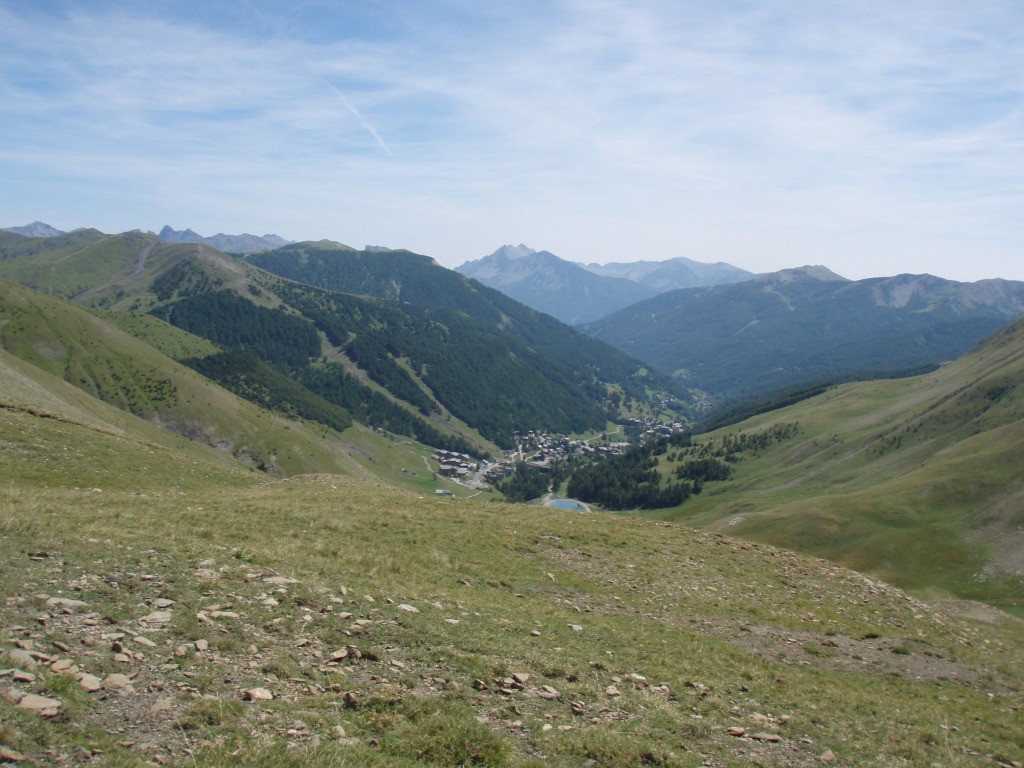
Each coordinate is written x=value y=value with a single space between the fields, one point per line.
x=36 y=229
x=814 y=272
x=512 y=252
x=243 y=243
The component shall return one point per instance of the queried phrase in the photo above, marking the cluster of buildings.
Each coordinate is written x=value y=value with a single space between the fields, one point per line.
x=456 y=465
x=539 y=449
x=647 y=427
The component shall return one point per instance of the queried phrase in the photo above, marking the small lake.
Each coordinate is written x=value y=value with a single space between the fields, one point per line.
x=567 y=504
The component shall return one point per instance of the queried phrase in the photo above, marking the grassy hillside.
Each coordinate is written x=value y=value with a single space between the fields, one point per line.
x=226 y=620
x=918 y=481
x=86 y=351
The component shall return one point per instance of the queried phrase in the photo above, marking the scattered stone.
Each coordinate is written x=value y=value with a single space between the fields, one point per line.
x=576 y=627
x=547 y=692
x=19 y=676
x=65 y=602
x=117 y=682
x=13 y=695
x=257 y=694
x=162 y=705
x=41 y=705
x=453 y=622
x=827 y=756
x=90 y=683
x=157 y=618
x=61 y=646
x=22 y=658
x=338 y=655
x=8 y=755
x=638 y=681
x=737 y=731
x=279 y=580
x=480 y=685
x=520 y=677
x=181 y=651
x=772 y=738
x=223 y=615
x=144 y=641
x=270 y=603
x=611 y=690
x=162 y=602
x=202 y=645
x=408 y=608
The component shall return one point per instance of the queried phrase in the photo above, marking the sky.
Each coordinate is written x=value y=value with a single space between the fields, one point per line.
x=875 y=138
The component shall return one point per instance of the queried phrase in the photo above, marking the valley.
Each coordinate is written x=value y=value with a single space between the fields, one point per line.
x=222 y=538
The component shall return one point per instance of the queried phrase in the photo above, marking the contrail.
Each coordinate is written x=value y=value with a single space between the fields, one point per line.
x=366 y=123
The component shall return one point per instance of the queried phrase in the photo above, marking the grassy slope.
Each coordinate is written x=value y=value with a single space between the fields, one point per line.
x=101 y=360
x=917 y=481
x=742 y=635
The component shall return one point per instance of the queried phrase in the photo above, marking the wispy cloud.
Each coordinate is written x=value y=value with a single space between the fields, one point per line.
x=366 y=123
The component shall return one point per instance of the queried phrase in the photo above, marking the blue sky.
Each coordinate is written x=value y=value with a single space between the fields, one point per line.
x=872 y=137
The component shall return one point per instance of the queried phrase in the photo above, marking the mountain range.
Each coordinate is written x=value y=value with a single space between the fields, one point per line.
x=808 y=325
x=229 y=243
x=219 y=513
x=577 y=293
x=464 y=368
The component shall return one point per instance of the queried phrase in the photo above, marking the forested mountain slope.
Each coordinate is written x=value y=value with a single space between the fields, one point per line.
x=422 y=282
x=440 y=374
x=807 y=325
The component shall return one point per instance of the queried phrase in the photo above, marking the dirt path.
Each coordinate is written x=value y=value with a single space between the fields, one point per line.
x=138 y=267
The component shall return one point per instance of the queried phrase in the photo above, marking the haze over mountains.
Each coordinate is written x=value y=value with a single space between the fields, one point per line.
x=243 y=243
x=577 y=293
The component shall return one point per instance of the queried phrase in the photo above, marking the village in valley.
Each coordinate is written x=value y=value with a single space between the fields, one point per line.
x=540 y=450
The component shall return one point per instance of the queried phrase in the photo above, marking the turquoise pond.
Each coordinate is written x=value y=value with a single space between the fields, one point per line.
x=566 y=504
